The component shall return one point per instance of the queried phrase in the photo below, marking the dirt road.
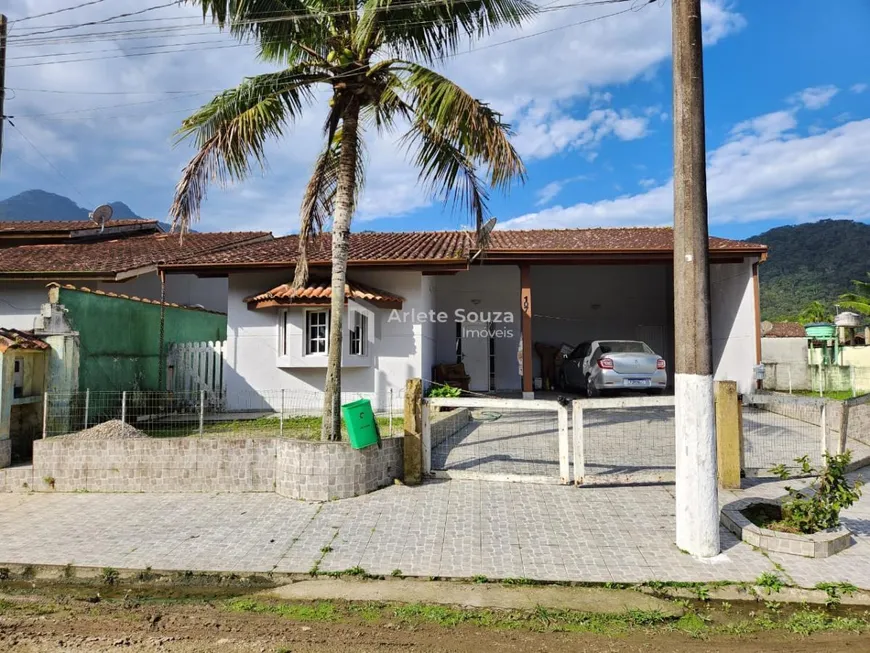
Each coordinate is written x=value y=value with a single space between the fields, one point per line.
x=56 y=618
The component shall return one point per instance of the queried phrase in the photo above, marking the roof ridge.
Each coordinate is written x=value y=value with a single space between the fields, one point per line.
x=133 y=298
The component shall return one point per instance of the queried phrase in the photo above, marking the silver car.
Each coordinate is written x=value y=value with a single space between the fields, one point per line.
x=614 y=365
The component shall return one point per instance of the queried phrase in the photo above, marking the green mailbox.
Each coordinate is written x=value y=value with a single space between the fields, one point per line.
x=362 y=429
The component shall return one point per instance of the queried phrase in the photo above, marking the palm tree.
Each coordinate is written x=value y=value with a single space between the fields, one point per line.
x=859 y=300
x=814 y=312
x=372 y=57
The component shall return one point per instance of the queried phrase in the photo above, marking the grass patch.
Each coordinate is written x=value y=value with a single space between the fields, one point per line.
x=766 y=515
x=320 y=611
x=837 y=395
x=297 y=428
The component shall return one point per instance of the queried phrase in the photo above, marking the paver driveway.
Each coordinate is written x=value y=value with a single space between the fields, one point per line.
x=448 y=529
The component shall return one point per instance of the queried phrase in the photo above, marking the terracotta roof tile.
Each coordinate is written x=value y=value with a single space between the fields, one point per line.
x=601 y=239
x=447 y=246
x=60 y=226
x=15 y=339
x=364 y=247
x=117 y=255
x=319 y=291
x=785 y=330
x=132 y=298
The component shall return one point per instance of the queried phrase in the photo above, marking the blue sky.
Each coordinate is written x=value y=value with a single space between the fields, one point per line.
x=788 y=117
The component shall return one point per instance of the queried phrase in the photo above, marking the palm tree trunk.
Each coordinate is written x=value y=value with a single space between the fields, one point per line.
x=344 y=207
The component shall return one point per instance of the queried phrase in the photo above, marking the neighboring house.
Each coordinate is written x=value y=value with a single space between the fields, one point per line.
x=115 y=339
x=785 y=357
x=419 y=299
x=121 y=257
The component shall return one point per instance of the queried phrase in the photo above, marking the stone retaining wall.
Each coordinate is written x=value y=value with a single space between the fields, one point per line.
x=293 y=468
x=5 y=453
x=443 y=425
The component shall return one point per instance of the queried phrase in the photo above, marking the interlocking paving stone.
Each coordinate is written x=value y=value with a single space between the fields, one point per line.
x=442 y=528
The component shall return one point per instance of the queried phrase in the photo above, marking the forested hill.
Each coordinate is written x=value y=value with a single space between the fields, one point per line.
x=811 y=262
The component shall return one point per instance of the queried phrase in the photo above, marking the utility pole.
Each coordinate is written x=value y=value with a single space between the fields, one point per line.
x=2 y=78
x=697 y=500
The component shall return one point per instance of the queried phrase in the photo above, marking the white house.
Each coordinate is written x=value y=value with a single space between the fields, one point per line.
x=121 y=257
x=419 y=299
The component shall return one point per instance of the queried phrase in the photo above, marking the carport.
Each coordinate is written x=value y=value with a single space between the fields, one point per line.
x=555 y=287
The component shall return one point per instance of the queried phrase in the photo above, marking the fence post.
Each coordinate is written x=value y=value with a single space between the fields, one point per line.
x=201 y=410
x=124 y=406
x=281 y=418
x=789 y=379
x=413 y=442
x=728 y=434
x=824 y=427
x=852 y=381
x=821 y=381
x=564 y=463
x=87 y=405
x=44 y=415
x=579 y=453
x=391 y=412
x=844 y=428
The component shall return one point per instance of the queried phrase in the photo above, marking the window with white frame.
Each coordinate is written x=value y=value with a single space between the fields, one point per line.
x=316 y=331
x=359 y=334
x=283 y=333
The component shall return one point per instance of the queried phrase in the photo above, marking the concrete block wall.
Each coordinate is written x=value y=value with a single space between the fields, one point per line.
x=156 y=465
x=5 y=452
x=443 y=425
x=322 y=471
x=298 y=469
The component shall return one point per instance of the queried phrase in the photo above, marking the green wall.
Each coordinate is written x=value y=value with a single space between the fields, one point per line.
x=120 y=338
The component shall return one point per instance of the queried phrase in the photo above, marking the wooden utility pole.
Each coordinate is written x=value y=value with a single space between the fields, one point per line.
x=2 y=78
x=697 y=501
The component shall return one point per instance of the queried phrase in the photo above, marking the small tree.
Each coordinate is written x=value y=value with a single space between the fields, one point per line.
x=815 y=312
x=859 y=300
x=830 y=494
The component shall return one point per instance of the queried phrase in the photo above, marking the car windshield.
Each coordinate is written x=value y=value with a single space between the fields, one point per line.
x=624 y=347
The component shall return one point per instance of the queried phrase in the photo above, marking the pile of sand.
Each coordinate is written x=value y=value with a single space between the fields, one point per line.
x=114 y=429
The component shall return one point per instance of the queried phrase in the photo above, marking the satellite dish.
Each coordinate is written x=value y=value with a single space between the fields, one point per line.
x=102 y=214
x=484 y=232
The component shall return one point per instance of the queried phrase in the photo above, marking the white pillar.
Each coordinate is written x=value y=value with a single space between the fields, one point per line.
x=697 y=492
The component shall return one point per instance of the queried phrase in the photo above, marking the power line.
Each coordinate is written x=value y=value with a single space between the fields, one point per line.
x=46 y=159
x=104 y=20
x=56 y=11
x=173 y=48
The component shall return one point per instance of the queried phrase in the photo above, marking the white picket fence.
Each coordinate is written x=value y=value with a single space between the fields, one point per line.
x=197 y=367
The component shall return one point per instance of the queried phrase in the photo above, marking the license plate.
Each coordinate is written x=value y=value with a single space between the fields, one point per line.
x=640 y=382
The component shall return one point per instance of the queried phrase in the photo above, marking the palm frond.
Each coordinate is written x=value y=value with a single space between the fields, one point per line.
x=466 y=122
x=859 y=300
x=388 y=106
x=445 y=170
x=230 y=133
x=434 y=29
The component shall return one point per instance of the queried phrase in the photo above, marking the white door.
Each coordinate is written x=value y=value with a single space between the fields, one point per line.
x=475 y=354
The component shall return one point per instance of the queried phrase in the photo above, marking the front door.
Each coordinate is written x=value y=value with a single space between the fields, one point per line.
x=475 y=354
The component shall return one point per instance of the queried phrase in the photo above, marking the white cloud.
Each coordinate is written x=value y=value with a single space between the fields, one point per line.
x=815 y=97
x=538 y=83
x=549 y=192
x=647 y=183
x=858 y=88
x=765 y=170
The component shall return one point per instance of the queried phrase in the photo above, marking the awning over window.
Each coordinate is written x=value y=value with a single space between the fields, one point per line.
x=318 y=292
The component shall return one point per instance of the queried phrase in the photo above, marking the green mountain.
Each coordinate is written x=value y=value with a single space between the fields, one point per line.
x=811 y=262
x=38 y=204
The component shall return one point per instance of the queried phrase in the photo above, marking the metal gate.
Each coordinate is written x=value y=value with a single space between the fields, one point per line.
x=513 y=440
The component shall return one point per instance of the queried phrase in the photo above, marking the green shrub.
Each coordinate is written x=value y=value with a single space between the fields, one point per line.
x=445 y=391
x=832 y=493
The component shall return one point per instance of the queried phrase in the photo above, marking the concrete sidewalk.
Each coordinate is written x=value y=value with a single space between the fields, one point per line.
x=441 y=529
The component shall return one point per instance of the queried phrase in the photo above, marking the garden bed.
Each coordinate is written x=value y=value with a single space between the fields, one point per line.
x=758 y=522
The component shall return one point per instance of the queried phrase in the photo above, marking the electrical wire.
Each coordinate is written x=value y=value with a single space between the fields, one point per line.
x=56 y=11
x=104 y=20
x=45 y=158
x=175 y=48
x=332 y=77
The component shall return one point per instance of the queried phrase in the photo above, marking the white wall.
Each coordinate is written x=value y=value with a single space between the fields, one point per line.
x=785 y=362
x=733 y=323
x=494 y=288
x=20 y=301
x=398 y=351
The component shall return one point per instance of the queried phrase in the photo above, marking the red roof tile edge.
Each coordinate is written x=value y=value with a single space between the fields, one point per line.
x=132 y=298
